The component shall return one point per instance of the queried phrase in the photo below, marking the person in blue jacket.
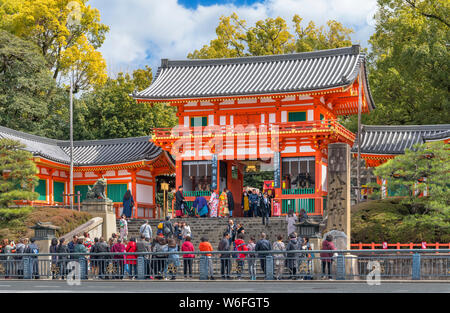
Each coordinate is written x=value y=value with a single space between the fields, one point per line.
x=201 y=206
x=128 y=204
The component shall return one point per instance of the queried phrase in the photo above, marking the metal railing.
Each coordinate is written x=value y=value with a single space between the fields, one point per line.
x=255 y=265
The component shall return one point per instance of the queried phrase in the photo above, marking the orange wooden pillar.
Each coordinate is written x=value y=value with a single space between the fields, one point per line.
x=318 y=180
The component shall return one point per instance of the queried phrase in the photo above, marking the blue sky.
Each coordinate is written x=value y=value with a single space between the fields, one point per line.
x=144 y=31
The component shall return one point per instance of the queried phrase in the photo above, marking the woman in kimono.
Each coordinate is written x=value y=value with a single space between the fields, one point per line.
x=213 y=203
x=123 y=227
x=223 y=204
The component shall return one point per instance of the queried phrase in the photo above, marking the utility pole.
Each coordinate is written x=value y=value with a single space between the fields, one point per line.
x=358 y=170
x=71 y=143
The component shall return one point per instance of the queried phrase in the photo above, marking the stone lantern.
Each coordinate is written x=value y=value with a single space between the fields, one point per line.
x=44 y=231
x=308 y=229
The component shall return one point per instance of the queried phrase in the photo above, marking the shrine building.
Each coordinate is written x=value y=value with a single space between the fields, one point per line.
x=128 y=163
x=276 y=112
x=381 y=143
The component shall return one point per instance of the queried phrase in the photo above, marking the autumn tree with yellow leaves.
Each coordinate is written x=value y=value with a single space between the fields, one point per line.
x=271 y=36
x=67 y=33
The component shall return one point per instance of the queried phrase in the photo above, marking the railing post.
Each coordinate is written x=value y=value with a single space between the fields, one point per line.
x=340 y=267
x=416 y=266
x=269 y=267
x=140 y=267
x=203 y=267
x=27 y=267
x=83 y=268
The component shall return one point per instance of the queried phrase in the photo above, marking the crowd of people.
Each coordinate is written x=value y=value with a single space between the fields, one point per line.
x=253 y=203
x=160 y=258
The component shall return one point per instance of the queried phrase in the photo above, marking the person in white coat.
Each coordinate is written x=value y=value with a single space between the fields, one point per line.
x=146 y=230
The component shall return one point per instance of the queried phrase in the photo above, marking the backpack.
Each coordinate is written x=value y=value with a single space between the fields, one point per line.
x=160 y=225
x=166 y=229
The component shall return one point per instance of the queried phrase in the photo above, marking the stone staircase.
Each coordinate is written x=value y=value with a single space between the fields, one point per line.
x=213 y=228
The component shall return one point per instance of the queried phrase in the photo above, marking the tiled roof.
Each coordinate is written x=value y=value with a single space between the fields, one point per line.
x=257 y=75
x=87 y=153
x=395 y=139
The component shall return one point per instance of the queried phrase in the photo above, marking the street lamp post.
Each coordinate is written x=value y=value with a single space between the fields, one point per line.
x=71 y=144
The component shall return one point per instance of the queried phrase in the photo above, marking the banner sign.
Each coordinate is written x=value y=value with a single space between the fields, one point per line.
x=214 y=172
x=276 y=169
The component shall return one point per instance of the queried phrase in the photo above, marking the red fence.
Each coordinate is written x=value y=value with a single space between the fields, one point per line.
x=385 y=245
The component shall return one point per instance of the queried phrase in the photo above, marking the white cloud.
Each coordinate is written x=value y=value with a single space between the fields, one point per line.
x=144 y=31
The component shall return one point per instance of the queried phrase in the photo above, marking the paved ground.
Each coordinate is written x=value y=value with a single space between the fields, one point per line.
x=223 y=287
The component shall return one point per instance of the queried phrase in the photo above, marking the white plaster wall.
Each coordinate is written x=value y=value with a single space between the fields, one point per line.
x=144 y=193
x=324 y=178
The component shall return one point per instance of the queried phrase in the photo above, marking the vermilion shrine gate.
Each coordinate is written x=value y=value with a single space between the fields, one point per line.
x=279 y=109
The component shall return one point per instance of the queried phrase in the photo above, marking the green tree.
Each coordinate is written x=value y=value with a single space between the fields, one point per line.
x=271 y=36
x=30 y=101
x=409 y=62
x=17 y=173
x=426 y=167
x=110 y=112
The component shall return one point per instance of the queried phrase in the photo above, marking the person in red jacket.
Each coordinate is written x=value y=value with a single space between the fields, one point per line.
x=187 y=258
x=118 y=258
x=327 y=258
x=240 y=245
x=131 y=260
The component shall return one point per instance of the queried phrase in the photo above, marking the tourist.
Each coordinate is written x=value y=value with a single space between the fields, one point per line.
x=263 y=245
x=223 y=204
x=146 y=230
x=185 y=231
x=88 y=242
x=71 y=245
x=80 y=248
x=254 y=199
x=179 y=202
x=130 y=260
x=240 y=245
x=54 y=259
x=251 y=258
x=225 y=258
x=103 y=248
x=177 y=232
x=173 y=259
x=291 y=219
x=279 y=258
x=93 y=259
x=119 y=259
x=9 y=248
x=32 y=248
x=213 y=204
x=160 y=259
x=168 y=228
x=128 y=204
x=230 y=201
x=304 y=263
x=201 y=206
x=327 y=258
x=20 y=249
x=245 y=204
x=240 y=229
x=232 y=230
x=123 y=227
x=303 y=216
x=292 y=257
x=205 y=246
x=187 y=258
x=143 y=245
x=63 y=250
x=265 y=209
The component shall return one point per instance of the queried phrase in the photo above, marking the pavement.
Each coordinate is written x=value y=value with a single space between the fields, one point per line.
x=54 y=286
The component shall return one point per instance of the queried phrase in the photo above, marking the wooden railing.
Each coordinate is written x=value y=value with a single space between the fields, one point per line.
x=143 y=210
x=322 y=126
x=373 y=246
